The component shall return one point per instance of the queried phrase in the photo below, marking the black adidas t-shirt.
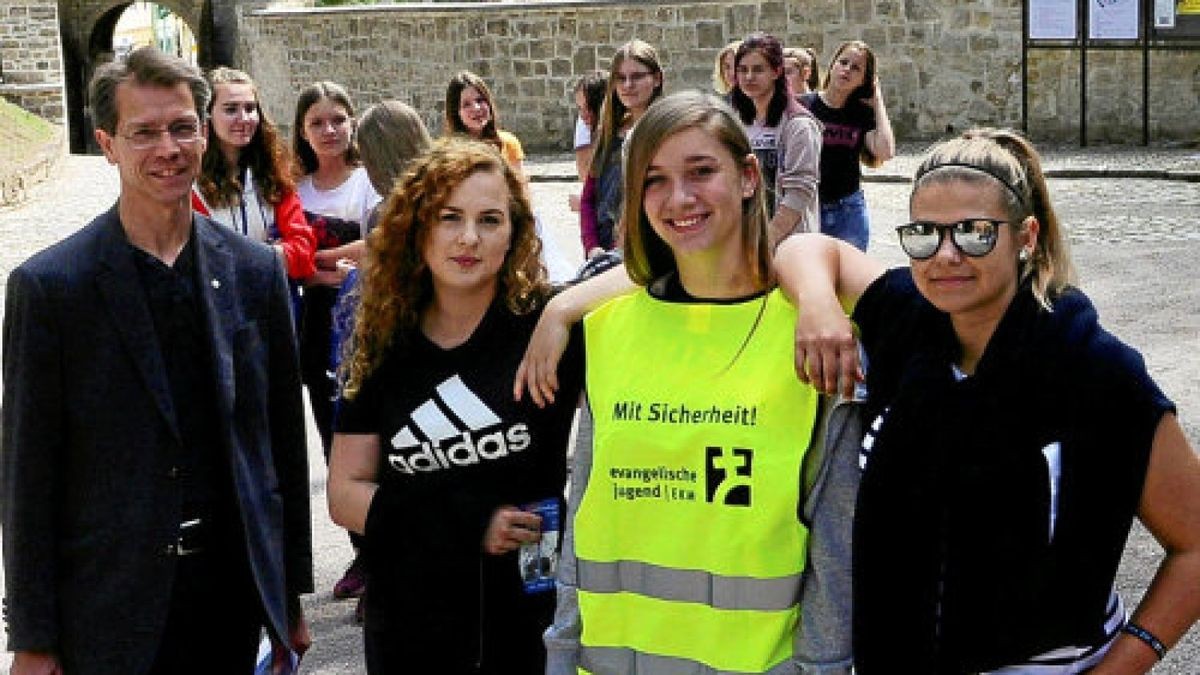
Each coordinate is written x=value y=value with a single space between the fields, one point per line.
x=454 y=447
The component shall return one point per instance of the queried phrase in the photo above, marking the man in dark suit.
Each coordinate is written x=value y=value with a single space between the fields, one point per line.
x=153 y=473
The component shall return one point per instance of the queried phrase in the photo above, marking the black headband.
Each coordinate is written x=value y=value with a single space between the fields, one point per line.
x=1003 y=181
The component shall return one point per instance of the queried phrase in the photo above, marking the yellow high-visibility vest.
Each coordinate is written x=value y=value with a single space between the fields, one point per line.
x=689 y=543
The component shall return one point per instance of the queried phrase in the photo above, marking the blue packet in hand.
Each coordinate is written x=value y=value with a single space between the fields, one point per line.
x=538 y=561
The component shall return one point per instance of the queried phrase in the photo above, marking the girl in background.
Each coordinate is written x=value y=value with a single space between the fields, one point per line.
x=589 y=97
x=801 y=69
x=857 y=129
x=390 y=134
x=246 y=174
x=338 y=198
x=635 y=80
x=723 y=76
x=471 y=110
x=785 y=136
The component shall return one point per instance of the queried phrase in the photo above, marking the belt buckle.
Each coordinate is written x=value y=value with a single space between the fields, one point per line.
x=185 y=543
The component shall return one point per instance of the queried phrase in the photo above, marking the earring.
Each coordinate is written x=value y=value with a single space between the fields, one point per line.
x=1023 y=256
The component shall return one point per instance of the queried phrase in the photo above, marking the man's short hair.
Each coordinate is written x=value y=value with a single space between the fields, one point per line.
x=145 y=66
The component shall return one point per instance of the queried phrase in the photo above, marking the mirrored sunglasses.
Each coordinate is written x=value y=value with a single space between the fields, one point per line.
x=974 y=237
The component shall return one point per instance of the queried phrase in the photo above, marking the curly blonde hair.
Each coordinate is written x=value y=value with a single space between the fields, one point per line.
x=396 y=283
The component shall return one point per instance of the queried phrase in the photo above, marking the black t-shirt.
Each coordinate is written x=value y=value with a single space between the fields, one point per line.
x=454 y=447
x=845 y=134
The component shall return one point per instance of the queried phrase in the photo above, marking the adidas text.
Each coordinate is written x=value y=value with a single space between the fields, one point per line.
x=463 y=451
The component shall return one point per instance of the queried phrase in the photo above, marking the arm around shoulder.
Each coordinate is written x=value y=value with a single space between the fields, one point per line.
x=824 y=277
x=539 y=367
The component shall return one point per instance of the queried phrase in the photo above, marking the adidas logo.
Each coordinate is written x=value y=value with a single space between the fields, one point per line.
x=447 y=444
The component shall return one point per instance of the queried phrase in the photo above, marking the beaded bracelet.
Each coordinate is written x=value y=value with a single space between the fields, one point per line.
x=1147 y=637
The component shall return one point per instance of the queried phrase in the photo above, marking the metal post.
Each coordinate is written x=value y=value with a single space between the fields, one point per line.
x=1147 y=23
x=1082 y=8
x=1025 y=67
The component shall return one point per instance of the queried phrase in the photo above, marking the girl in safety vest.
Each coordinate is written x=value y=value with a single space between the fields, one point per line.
x=709 y=508
x=433 y=461
x=1014 y=439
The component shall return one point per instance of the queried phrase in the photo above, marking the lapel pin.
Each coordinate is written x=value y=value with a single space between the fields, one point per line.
x=216 y=284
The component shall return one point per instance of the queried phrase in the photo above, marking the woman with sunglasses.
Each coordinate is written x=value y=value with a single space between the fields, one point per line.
x=708 y=515
x=1014 y=438
x=635 y=81
x=857 y=131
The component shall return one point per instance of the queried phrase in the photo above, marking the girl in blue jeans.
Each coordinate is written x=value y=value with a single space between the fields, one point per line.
x=857 y=131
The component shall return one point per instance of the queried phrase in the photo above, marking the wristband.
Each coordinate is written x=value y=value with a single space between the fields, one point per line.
x=1146 y=637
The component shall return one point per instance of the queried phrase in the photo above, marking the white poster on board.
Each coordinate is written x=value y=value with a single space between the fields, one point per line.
x=1113 y=19
x=1052 y=19
x=1164 y=13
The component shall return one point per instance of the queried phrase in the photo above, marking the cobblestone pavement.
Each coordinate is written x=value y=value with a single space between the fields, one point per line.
x=1134 y=242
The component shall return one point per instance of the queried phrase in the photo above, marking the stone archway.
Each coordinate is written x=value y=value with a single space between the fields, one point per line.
x=87 y=32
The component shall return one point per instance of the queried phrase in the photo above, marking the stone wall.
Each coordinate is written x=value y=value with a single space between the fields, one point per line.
x=1114 y=95
x=31 y=57
x=943 y=63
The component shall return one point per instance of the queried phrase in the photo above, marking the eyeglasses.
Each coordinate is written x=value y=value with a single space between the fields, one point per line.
x=631 y=78
x=183 y=133
x=974 y=237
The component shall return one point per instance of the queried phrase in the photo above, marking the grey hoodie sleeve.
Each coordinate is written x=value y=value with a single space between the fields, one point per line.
x=823 y=643
x=799 y=169
x=562 y=637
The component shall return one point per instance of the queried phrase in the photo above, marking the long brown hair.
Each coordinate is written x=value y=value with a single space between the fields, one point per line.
x=647 y=256
x=397 y=285
x=452 y=121
x=865 y=90
x=612 y=112
x=309 y=96
x=266 y=155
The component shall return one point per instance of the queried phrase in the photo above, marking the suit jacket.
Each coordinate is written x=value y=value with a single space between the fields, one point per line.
x=88 y=481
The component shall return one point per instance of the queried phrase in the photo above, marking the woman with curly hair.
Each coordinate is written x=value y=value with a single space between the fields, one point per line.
x=245 y=181
x=433 y=460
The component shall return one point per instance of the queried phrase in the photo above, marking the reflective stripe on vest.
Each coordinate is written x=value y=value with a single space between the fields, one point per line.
x=690 y=547
x=769 y=595
x=618 y=661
